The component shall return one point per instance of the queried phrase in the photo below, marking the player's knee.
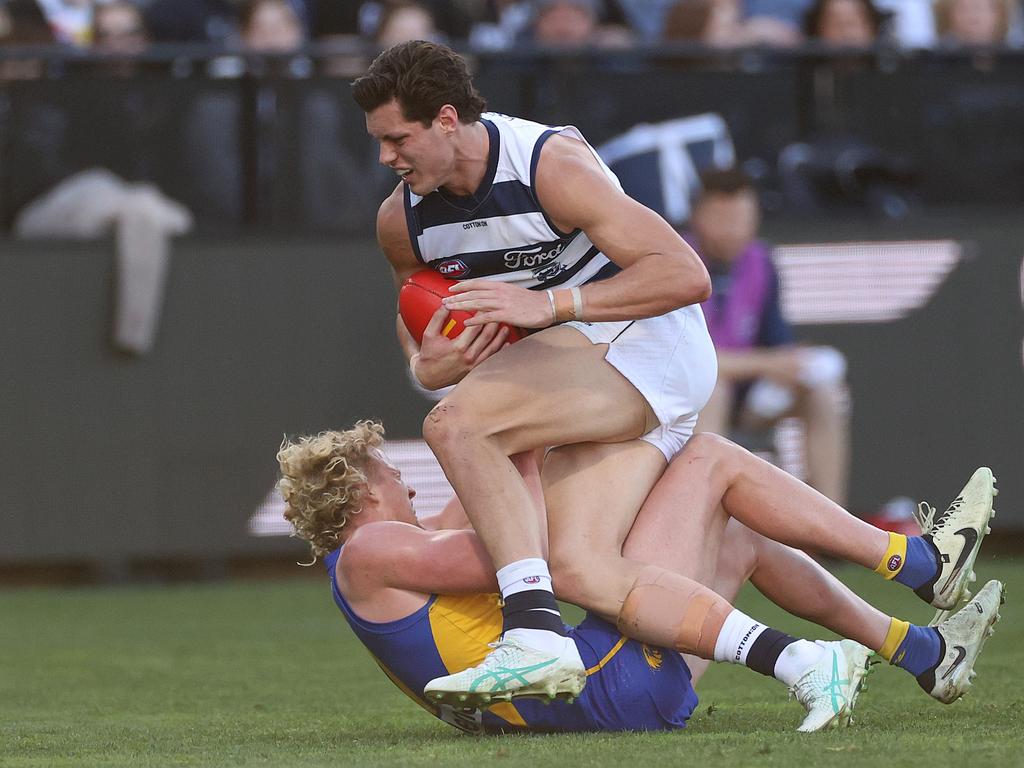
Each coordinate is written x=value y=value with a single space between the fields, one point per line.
x=713 y=450
x=444 y=426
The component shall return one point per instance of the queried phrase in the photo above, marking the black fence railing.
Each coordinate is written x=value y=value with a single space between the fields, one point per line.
x=277 y=143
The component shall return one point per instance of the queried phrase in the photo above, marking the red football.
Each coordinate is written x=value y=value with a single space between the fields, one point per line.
x=419 y=298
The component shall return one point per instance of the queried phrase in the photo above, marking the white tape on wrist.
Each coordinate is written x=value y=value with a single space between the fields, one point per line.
x=577 y=303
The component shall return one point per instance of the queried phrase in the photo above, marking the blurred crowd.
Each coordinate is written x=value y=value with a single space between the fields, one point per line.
x=127 y=26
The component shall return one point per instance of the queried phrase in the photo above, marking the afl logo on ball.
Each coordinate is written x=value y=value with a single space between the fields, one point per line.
x=453 y=268
x=894 y=563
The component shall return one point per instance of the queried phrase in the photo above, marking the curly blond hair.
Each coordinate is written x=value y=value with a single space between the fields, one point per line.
x=323 y=479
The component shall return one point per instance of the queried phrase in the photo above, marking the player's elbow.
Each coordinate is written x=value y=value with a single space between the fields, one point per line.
x=696 y=282
x=681 y=277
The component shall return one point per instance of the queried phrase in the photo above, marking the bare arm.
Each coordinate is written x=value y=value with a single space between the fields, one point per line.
x=393 y=237
x=439 y=361
x=398 y=555
x=660 y=272
x=451 y=518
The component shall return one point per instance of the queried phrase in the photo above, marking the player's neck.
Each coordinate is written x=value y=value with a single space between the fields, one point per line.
x=472 y=152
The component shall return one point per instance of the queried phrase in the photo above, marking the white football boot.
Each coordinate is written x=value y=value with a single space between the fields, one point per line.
x=513 y=670
x=963 y=635
x=957 y=534
x=829 y=689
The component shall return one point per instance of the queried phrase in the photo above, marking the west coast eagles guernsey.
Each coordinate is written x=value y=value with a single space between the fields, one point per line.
x=501 y=232
x=630 y=686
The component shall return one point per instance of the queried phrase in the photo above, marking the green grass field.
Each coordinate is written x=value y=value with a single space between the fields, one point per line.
x=268 y=674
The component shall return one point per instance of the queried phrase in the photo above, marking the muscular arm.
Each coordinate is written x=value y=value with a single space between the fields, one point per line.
x=660 y=272
x=393 y=238
x=394 y=555
x=442 y=361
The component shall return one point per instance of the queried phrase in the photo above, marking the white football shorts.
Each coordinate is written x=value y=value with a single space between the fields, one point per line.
x=670 y=360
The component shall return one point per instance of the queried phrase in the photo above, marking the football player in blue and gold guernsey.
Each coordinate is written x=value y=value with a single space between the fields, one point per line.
x=420 y=594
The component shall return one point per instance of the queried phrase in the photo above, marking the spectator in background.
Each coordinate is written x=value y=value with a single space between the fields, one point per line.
x=270 y=26
x=763 y=375
x=972 y=22
x=565 y=23
x=22 y=23
x=576 y=24
x=720 y=24
x=119 y=27
x=405 y=20
x=844 y=23
x=912 y=23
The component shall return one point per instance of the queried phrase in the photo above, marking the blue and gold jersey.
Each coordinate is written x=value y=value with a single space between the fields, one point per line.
x=630 y=686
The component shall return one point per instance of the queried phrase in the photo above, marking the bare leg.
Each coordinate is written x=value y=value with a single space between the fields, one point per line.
x=553 y=388
x=773 y=503
x=592 y=493
x=795 y=583
x=824 y=411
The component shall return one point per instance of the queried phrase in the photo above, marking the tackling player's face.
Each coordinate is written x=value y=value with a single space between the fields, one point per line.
x=421 y=156
x=393 y=495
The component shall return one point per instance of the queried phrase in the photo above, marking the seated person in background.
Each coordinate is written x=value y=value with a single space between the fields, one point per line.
x=721 y=24
x=972 y=22
x=420 y=594
x=763 y=376
x=844 y=23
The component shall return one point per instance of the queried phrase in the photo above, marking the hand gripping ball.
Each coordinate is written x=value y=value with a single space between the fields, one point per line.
x=421 y=295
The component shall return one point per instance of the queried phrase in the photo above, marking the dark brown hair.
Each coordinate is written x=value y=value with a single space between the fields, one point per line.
x=687 y=20
x=724 y=181
x=814 y=14
x=423 y=77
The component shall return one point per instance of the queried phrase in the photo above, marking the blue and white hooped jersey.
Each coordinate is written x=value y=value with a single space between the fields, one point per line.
x=501 y=232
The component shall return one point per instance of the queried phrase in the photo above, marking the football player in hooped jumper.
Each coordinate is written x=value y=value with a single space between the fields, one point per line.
x=622 y=359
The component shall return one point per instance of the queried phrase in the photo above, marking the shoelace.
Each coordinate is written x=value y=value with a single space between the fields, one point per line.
x=925 y=516
x=802 y=692
x=946 y=519
x=501 y=649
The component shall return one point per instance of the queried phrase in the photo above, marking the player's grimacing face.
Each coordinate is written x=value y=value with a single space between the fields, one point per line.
x=420 y=155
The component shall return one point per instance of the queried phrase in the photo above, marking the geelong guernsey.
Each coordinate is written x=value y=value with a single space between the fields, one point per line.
x=501 y=232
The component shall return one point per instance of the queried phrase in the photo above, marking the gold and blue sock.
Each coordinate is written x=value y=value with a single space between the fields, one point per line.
x=913 y=648
x=911 y=560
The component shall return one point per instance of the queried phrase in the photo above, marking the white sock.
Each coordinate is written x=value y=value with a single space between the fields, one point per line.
x=522 y=576
x=795 y=660
x=738 y=633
